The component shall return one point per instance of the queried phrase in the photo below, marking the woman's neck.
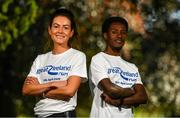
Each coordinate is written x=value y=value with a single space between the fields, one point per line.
x=59 y=49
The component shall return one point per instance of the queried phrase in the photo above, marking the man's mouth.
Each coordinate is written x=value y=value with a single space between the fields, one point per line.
x=119 y=40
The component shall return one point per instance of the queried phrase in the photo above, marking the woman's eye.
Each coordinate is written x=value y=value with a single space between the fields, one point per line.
x=55 y=26
x=66 y=27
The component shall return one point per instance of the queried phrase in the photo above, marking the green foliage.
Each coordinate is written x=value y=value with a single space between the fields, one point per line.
x=5 y=6
x=15 y=19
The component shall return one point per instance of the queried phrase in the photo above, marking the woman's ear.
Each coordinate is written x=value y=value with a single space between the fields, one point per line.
x=72 y=33
x=49 y=30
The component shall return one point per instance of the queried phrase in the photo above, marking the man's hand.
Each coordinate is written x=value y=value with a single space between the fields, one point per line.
x=114 y=102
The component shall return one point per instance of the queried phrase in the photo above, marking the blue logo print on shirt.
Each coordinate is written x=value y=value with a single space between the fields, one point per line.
x=54 y=70
x=128 y=76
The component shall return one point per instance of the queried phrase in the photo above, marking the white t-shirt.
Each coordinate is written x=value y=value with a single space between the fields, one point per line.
x=121 y=73
x=49 y=67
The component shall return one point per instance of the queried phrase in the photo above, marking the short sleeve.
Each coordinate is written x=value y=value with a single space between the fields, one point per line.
x=34 y=68
x=139 y=81
x=79 y=67
x=97 y=70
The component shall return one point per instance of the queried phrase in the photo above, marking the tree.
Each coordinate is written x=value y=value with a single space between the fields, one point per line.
x=15 y=18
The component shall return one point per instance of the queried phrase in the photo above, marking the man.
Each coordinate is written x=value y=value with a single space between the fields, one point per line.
x=115 y=83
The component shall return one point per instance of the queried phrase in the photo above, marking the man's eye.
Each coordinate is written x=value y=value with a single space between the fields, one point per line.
x=114 y=32
x=124 y=32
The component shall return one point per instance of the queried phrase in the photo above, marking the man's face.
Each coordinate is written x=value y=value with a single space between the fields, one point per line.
x=116 y=35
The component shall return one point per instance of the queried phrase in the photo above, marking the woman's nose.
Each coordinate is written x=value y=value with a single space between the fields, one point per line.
x=60 y=29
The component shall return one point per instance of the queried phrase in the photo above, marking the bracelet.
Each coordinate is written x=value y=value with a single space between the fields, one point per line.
x=121 y=101
x=43 y=95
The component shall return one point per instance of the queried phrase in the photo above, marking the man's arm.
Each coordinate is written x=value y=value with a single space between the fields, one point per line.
x=113 y=90
x=140 y=97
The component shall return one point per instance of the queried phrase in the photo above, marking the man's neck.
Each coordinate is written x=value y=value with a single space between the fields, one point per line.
x=114 y=52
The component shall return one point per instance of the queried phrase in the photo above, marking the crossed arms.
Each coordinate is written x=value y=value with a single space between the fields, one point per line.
x=117 y=96
x=62 y=90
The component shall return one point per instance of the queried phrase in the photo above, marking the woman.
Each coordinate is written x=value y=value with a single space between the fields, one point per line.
x=57 y=74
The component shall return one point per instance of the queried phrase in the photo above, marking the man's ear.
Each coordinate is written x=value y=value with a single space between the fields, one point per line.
x=105 y=35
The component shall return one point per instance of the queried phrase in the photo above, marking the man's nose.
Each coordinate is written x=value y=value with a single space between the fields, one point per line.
x=119 y=35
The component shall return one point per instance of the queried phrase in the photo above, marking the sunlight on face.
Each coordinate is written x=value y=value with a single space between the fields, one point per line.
x=61 y=31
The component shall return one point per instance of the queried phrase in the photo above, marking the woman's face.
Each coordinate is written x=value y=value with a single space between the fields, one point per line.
x=60 y=31
x=116 y=35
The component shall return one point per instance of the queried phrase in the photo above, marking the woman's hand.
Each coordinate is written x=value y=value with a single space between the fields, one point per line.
x=31 y=80
x=58 y=84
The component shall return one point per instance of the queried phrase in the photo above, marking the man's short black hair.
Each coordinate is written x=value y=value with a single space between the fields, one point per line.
x=106 y=24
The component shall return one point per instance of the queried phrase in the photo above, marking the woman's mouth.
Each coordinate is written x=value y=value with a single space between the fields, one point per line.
x=60 y=36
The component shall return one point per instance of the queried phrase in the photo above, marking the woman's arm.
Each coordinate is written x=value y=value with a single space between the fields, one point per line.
x=34 y=88
x=65 y=92
x=113 y=90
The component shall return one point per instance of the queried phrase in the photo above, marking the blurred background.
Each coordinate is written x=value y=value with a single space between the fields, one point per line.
x=153 y=45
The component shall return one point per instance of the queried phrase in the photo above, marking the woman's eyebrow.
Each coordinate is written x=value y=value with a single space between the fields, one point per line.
x=62 y=25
